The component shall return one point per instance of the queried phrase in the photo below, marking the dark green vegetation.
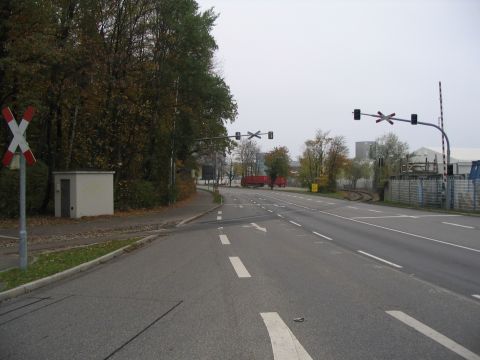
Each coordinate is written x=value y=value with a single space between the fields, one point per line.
x=51 y=263
x=277 y=162
x=118 y=85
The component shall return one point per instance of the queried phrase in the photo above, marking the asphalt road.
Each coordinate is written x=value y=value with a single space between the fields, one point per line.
x=271 y=275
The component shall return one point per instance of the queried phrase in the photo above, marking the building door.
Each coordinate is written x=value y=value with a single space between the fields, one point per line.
x=65 y=197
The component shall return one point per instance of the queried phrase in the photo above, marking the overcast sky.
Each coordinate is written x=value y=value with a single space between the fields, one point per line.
x=296 y=66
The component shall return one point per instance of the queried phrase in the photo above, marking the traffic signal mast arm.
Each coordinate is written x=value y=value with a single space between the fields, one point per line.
x=419 y=123
x=238 y=136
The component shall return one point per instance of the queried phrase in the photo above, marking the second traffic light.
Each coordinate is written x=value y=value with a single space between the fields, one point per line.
x=270 y=135
x=414 y=119
x=356 y=114
x=238 y=135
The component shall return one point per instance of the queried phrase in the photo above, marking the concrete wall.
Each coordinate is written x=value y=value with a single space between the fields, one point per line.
x=91 y=193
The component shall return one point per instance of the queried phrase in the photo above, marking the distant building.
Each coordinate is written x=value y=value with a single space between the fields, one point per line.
x=362 y=149
x=260 y=164
x=461 y=158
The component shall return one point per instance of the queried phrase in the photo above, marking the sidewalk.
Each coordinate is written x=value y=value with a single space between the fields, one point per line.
x=66 y=233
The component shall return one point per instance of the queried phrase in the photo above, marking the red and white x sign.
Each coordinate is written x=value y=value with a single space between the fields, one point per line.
x=385 y=117
x=18 y=132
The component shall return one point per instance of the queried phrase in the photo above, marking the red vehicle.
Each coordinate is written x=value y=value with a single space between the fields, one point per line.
x=258 y=181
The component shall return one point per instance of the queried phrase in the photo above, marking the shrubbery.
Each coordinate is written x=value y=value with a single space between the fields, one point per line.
x=37 y=182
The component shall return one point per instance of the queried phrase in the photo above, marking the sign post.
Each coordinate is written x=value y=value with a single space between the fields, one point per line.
x=19 y=140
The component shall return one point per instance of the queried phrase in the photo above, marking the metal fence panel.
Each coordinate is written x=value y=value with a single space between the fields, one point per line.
x=428 y=193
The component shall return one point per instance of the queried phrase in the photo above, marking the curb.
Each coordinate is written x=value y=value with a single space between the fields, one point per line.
x=26 y=288
x=186 y=221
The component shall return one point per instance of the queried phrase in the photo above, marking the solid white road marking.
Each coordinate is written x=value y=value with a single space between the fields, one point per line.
x=353 y=207
x=270 y=211
x=285 y=345
x=258 y=227
x=323 y=236
x=381 y=217
x=375 y=211
x=400 y=232
x=462 y=226
x=380 y=259
x=331 y=203
x=280 y=216
x=240 y=269
x=294 y=223
x=434 y=335
x=219 y=218
x=240 y=206
x=224 y=240
x=476 y=296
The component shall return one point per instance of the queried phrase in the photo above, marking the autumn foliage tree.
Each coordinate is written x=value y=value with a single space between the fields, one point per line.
x=277 y=163
x=121 y=85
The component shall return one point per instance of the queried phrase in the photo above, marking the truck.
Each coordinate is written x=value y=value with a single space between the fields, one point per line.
x=260 y=181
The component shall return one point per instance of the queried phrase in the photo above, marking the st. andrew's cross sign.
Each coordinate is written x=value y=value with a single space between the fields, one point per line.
x=18 y=132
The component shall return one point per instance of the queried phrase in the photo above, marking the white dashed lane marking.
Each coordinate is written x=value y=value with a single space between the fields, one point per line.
x=239 y=268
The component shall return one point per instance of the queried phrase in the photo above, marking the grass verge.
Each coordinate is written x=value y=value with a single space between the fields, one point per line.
x=54 y=262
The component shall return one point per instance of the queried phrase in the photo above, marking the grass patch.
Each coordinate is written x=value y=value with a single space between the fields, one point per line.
x=53 y=262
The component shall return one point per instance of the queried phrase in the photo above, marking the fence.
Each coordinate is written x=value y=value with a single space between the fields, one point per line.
x=428 y=193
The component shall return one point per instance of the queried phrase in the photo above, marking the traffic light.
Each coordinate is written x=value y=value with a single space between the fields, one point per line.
x=356 y=114
x=270 y=135
x=450 y=169
x=238 y=136
x=380 y=162
x=413 y=119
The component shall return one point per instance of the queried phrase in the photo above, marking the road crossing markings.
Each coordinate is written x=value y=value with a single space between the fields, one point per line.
x=434 y=335
x=285 y=345
x=294 y=223
x=219 y=213
x=323 y=236
x=462 y=226
x=400 y=232
x=224 y=240
x=239 y=268
x=219 y=218
x=380 y=259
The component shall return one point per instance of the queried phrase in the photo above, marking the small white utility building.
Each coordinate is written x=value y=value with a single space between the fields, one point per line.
x=83 y=193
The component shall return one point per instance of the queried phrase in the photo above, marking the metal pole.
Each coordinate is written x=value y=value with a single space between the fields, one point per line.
x=23 y=217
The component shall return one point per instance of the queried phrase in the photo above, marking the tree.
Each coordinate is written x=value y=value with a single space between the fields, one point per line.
x=246 y=152
x=277 y=162
x=390 y=150
x=118 y=85
x=336 y=160
x=312 y=161
x=356 y=169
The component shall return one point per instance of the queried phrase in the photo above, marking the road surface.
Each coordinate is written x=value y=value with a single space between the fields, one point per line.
x=270 y=275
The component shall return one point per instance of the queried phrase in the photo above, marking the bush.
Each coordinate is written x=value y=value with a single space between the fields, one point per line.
x=134 y=194
x=37 y=182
